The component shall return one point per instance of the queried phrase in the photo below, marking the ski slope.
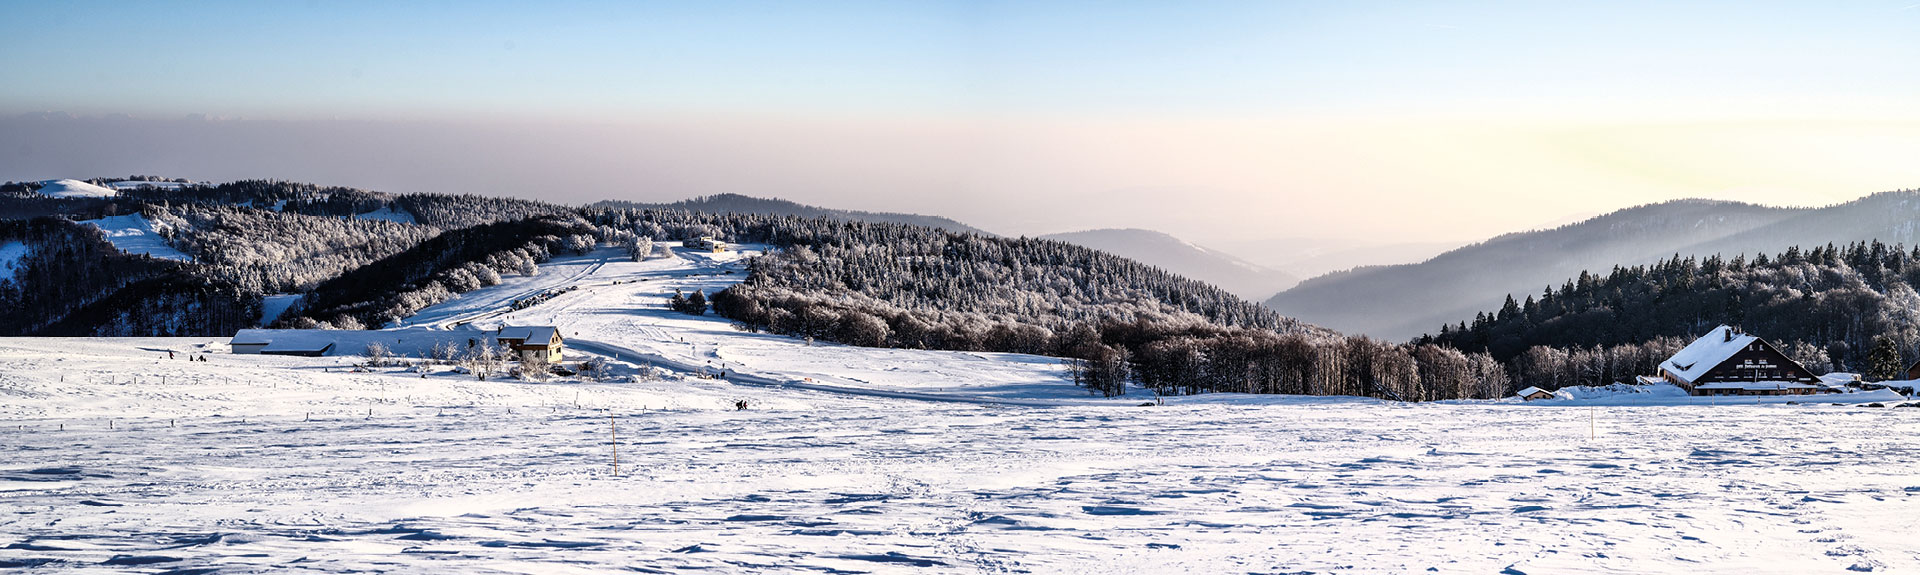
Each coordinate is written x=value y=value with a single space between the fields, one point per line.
x=619 y=307
x=133 y=234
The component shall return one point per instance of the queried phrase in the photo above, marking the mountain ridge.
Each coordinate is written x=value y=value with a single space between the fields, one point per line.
x=1239 y=276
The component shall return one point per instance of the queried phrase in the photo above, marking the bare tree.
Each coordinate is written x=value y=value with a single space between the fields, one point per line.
x=484 y=359
x=378 y=355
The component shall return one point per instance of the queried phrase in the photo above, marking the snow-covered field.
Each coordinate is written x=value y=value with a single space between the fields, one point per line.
x=75 y=189
x=10 y=255
x=126 y=460
x=133 y=234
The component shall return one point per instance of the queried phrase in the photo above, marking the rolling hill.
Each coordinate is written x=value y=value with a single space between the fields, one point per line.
x=1405 y=301
x=1242 y=278
x=740 y=204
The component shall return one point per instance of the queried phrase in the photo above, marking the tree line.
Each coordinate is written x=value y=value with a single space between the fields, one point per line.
x=1829 y=307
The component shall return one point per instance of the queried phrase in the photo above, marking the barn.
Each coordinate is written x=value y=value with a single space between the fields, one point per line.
x=1729 y=362
x=1533 y=393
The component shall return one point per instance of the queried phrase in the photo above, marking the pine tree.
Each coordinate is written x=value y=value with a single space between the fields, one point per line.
x=696 y=304
x=1883 y=363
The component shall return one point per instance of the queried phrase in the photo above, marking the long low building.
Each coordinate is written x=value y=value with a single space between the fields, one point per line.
x=1728 y=362
x=523 y=342
x=259 y=341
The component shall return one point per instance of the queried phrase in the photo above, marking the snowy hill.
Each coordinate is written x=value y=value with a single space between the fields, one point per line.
x=133 y=234
x=1157 y=249
x=75 y=189
x=740 y=204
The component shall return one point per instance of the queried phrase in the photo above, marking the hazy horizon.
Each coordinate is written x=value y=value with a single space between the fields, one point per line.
x=1220 y=124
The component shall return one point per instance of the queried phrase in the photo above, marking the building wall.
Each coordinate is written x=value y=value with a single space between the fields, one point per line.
x=1762 y=364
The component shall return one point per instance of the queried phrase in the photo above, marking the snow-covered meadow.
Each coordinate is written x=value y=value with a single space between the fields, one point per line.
x=128 y=460
x=243 y=464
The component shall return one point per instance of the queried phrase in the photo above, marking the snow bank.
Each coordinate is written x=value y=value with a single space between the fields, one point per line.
x=1669 y=394
x=75 y=189
x=10 y=255
x=133 y=234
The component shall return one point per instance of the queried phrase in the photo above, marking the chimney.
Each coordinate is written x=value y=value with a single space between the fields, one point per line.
x=1729 y=334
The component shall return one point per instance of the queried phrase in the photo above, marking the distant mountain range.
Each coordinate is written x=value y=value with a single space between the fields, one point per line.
x=1403 y=301
x=1310 y=256
x=739 y=204
x=1238 y=276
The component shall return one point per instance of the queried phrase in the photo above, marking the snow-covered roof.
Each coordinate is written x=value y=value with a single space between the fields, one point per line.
x=540 y=334
x=1530 y=391
x=252 y=337
x=1694 y=360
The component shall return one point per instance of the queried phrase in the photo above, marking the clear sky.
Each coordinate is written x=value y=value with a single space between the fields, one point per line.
x=1230 y=122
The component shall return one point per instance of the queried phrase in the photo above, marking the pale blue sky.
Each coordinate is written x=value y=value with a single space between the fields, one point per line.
x=633 y=59
x=1216 y=121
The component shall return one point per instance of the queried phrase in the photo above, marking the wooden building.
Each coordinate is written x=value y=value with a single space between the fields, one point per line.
x=706 y=244
x=1728 y=362
x=1913 y=371
x=1533 y=393
x=532 y=342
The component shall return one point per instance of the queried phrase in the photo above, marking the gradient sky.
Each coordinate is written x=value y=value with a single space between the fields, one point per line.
x=1219 y=122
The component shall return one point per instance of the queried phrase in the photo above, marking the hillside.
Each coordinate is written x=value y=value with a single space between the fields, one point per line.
x=1404 y=301
x=740 y=204
x=1230 y=273
x=1833 y=308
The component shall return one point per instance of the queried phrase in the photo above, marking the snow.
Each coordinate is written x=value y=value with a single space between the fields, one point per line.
x=388 y=213
x=1839 y=378
x=1703 y=354
x=842 y=464
x=133 y=234
x=136 y=184
x=411 y=342
x=620 y=309
x=75 y=189
x=1528 y=391
x=274 y=305
x=1673 y=395
x=11 y=254
x=253 y=463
